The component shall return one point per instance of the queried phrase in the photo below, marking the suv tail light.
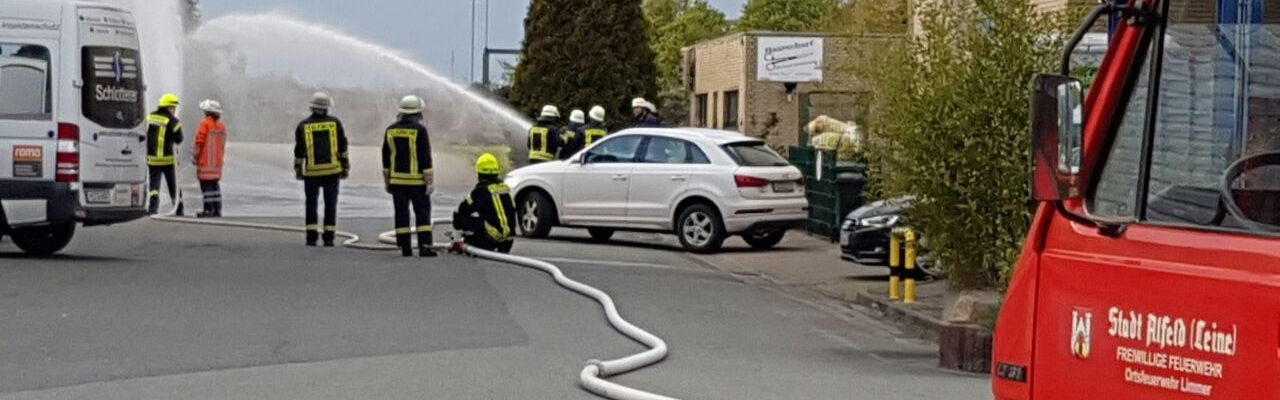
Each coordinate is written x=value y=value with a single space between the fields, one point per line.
x=68 y=158
x=745 y=181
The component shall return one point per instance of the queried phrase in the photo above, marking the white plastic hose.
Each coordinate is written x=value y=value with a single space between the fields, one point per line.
x=592 y=377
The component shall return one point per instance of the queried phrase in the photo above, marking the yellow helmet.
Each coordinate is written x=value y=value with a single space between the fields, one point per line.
x=488 y=165
x=169 y=100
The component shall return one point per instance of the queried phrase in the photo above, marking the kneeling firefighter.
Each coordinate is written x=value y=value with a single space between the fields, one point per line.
x=485 y=218
x=406 y=166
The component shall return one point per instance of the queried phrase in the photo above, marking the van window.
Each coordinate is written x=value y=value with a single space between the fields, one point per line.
x=25 y=82
x=112 y=94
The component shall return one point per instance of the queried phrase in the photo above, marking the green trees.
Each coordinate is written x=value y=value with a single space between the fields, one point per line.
x=674 y=25
x=788 y=15
x=950 y=126
x=578 y=53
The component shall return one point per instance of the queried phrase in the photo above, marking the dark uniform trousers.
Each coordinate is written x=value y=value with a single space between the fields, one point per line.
x=313 y=186
x=402 y=198
x=168 y=173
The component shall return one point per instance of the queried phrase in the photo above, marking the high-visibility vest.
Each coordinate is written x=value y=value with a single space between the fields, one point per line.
x=159 y=142
x=408 y=155
x=322 y=158
x=502 y=231
x=211 y=143
x=540 y=143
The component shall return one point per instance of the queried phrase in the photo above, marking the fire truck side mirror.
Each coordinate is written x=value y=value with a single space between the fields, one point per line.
x=1057 y=136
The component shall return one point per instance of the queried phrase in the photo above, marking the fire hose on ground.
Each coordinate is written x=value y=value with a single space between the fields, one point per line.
x=592 y=377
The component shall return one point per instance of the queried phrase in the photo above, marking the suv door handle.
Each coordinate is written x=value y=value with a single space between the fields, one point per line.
x=679 y=178
x=620 y=178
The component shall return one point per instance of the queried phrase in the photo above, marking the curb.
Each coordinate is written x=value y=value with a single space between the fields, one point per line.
x=962 y=347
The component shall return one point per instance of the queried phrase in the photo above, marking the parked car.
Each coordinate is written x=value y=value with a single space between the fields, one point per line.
x=702 y=185
x=864 y=235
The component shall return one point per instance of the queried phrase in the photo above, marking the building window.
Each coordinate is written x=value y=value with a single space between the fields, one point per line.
x=731 y=110
x=700 y=110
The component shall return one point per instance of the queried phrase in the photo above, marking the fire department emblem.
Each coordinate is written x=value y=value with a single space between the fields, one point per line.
x=1081 y=332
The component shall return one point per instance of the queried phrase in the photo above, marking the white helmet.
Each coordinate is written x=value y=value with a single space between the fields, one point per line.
x=651 y=107
x=639 y=102
x=321 y=101
x=577 y=116
x=412 y=105
x=211 y=106
x=550 y=111
x=597 y=113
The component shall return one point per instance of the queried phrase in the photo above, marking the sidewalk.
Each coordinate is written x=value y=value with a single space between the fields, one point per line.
x=809 y=265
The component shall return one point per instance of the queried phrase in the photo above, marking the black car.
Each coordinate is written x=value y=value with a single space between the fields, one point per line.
x=864 y=236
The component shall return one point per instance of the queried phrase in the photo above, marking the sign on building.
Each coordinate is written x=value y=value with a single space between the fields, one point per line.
x=789 y=59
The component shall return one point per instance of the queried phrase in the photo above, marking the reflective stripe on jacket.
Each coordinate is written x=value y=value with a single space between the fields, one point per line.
x=544 y=141
x=406 y=153
x=211 y=143
x=595 y=131
x=491 y=202
x=320 y=147
x=163 y=131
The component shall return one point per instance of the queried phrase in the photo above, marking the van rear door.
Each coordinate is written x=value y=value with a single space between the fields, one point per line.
x=112 y=108
x=27 y=126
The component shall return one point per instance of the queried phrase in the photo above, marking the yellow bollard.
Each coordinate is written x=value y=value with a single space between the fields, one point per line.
x=909 y=294
x=895 y=263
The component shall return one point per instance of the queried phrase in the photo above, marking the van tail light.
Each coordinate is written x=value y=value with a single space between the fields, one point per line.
x=745 y=181
x=68 y=158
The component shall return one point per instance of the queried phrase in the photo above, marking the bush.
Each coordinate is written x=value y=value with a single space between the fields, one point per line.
x=951 y=127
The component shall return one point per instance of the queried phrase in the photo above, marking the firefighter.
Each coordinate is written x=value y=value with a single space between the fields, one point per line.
x=645 y=113
x=595 y=128
x=544 y=136
x=485 y=218
x=211 y=143
x=163 y=132
x=574 y=136
x=321 y=161
x=406 y=168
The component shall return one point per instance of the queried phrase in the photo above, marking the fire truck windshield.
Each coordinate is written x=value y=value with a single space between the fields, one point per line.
x=1218 y=103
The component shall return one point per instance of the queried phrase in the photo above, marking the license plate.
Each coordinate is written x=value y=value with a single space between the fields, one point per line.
x=844 y=238
x=98 y=196
x=784 y=187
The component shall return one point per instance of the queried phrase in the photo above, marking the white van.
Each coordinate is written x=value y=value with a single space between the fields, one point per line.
x=72 y=113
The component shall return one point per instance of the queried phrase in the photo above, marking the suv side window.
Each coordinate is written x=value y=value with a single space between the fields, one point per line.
x=663 y=150
x=620 y=149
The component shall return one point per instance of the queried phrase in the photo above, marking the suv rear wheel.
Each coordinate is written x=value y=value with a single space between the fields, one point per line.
x=764 y=239
x=44 y=240
x=700 y=229
x=536 y=214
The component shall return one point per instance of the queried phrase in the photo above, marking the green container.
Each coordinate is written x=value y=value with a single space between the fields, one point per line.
x=833 y=188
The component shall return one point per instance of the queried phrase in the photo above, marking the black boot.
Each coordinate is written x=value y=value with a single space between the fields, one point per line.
x=406 y=245
x=426 y=251
x=425 y=243
x=328 y=239
x=312 y=237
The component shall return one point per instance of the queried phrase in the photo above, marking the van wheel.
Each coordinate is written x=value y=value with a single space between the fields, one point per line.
x=44 y=240
x=536 y=215
x=700 y=229
x=600 y=235
x=764 y=239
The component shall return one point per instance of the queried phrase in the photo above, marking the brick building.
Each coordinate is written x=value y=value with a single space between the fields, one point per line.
x=722 y=76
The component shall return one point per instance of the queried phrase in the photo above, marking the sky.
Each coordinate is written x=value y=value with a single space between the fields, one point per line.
x=435 y=32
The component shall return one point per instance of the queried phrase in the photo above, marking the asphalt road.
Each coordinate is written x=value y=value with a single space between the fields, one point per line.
x=150 y=310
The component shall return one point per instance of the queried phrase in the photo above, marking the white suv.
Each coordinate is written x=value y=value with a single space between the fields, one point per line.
x=703 y=185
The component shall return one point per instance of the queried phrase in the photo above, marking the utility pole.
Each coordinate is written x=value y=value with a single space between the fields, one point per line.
x=471 y=71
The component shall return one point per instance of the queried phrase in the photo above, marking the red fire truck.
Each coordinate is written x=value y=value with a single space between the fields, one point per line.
x=1152 y=268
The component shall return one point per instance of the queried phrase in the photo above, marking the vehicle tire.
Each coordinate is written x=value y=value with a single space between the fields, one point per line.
x=600 y=235
x=764 y=239
x=44 y=240
x=536 y=212
x=700 y=229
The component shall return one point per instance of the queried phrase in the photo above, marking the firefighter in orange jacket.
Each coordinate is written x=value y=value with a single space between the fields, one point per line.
x=211 y=143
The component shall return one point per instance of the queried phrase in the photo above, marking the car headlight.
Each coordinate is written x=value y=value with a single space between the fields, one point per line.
x=848 y=224
x=881 y=221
